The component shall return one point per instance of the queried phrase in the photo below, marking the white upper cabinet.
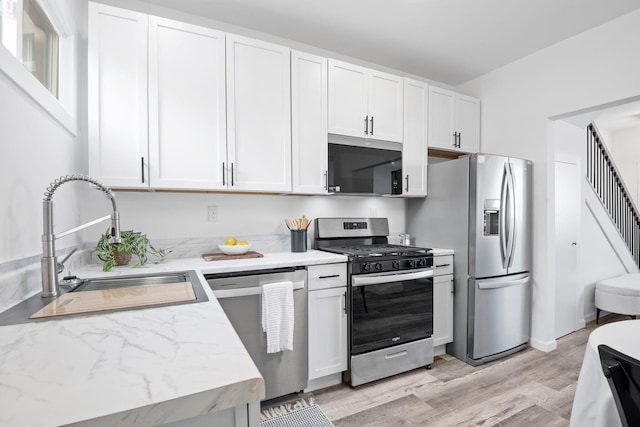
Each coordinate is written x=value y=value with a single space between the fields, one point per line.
x=365 y=103
x=414 y=148
x=187 y=120
x=309 y=123
x=258 y=115
x=117 y=97
x=156 y=101
x=454 y=121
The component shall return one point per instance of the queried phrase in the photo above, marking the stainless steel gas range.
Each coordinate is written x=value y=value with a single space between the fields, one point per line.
x=390 y=296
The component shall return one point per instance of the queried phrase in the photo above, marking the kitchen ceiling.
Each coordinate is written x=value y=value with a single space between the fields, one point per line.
x=450 y=41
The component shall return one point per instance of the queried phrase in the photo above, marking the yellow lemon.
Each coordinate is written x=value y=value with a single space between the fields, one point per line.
x=242 y=242
x=230 y=241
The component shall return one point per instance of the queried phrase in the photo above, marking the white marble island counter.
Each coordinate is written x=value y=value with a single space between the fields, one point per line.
x=141 y=367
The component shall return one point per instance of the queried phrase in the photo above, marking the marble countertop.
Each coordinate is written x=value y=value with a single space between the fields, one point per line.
x=148 y=367
x=268 y=261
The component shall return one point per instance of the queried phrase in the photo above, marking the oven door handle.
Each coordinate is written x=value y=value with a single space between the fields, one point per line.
x=248 y=291
x=390 y=278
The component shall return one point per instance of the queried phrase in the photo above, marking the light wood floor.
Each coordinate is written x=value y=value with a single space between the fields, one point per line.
x=530 y=388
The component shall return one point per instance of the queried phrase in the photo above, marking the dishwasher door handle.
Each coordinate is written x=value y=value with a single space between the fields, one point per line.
x=243 y=292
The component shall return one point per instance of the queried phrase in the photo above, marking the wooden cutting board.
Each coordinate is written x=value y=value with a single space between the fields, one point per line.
x=113 y=299
x=220 y=257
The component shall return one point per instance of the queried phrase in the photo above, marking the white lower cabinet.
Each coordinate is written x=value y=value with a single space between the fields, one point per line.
x=442 y=301
x=327 y=322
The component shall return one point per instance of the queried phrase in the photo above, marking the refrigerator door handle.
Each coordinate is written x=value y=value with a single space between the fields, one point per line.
x=512 y=215
x=501 y=283
x=503 y=218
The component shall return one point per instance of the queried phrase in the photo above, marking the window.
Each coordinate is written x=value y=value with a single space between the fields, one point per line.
x=40 y=46
x=28 y=34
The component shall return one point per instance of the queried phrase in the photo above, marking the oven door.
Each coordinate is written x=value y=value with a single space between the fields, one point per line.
x=390 y=309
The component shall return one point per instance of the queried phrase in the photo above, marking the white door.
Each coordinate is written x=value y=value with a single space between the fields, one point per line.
x=187 y=125
x=468 y=123
x=442 y=110
x=258 y=115
x=567 y=214
x=309 y=138
x=414 y=147
x=327 y=332
x=385 y=106
x=117 y=85
x=442 y=309
x=348 y=88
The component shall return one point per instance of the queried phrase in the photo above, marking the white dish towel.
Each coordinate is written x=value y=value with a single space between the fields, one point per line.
x=277 y=315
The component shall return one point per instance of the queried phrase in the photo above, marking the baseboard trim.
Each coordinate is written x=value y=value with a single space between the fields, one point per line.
x=323 y=382
x=546 y=346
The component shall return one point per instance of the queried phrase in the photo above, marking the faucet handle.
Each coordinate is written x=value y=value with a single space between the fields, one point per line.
x=60 y=265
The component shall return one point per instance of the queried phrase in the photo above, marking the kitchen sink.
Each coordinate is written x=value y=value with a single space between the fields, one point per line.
x=109 y=294
x=103 y=283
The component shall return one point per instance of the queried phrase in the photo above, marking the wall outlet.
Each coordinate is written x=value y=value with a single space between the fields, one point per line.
x=212 y=213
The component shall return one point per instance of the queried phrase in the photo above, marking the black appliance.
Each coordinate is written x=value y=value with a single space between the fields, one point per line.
x=390 y=295
x=364 y=169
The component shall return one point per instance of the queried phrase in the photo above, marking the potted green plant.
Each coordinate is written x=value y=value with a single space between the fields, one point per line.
x=133 y=243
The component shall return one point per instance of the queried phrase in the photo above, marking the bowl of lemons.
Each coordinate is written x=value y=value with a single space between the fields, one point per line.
x=232 y=246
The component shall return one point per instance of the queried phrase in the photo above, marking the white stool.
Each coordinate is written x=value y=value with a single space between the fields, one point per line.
x=620 y=295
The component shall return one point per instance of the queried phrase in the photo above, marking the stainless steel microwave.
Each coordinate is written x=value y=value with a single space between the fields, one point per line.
x=362 y=169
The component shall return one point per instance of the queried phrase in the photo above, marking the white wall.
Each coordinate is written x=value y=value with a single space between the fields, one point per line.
x=36 y=148
x=593 y=68
x=184 y=215
x=624 y=145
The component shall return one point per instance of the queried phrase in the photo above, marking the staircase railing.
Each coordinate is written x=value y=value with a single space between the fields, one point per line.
x=604 y=177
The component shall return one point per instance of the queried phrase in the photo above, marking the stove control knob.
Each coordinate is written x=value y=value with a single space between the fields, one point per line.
x=419 y=263
x=378 y=266
x=395 y=264
x=410 y=263
x=365 y=267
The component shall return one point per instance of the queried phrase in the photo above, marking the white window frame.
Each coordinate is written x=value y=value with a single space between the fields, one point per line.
x=63 y=109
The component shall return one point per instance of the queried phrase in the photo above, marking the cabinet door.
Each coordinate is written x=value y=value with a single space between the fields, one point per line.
x=414 y=148
x=385 y=106
x=258 y=115
x=442 y=309
x=309 y=142
x=442 y=110
x=187 y=126
x=468 y=123
x=117 y=96
x=327 y=332
x=348 y=99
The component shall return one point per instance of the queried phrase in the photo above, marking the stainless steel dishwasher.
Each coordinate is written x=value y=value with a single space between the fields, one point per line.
x=239 y=295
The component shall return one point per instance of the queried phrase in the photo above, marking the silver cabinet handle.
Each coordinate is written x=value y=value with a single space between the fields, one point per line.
x=224 y=173
x=371 y=125
x=455 y=139
x=459 y=138
x=407 y=179
x=344 y=306
x=142 y=168
x=331 y=276
x=366 y=125
x=326 y=181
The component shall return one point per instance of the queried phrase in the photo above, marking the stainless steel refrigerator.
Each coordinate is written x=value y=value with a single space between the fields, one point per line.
x=479 y=206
